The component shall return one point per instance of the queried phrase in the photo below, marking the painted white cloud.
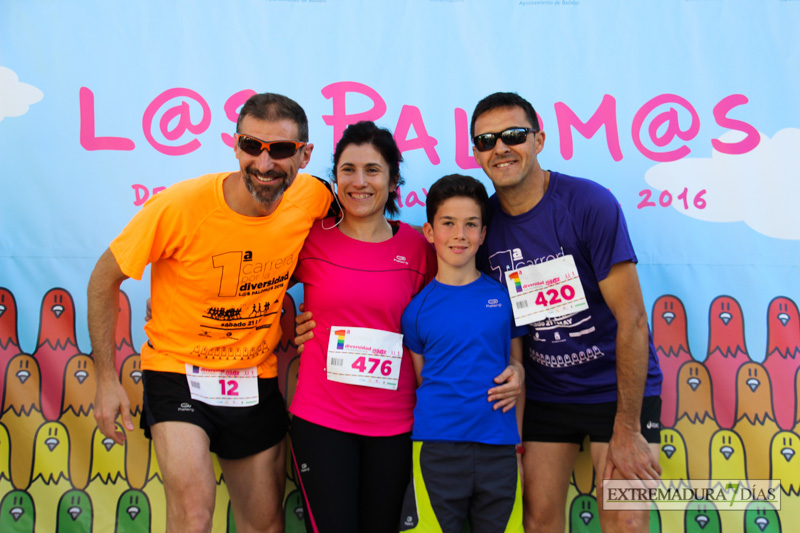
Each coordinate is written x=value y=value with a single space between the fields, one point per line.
x=16 y=97
x=760 y=188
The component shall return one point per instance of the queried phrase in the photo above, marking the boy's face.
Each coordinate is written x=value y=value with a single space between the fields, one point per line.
x=457 y=232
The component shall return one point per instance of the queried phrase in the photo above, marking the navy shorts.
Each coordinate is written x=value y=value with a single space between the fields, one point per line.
x=453 y=482
x=234 y=432
x=571 y=422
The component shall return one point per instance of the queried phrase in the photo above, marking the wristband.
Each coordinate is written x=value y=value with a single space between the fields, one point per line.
x=520 y=449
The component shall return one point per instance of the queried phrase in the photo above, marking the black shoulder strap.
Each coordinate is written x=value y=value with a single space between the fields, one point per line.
x=335 y=209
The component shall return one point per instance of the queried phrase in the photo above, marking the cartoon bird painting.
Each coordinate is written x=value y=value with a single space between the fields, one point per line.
x=154 y=489
x=130 y=376
x=5 y=461
x=9 y=342
x=583 y=516
x=783 y=358
x=293 y=510
x=695 y=418
x=726 y=353
x=670 y=337
x=17 y=512
x=289 y=463
x=74 y=512
x=57 y=343
x=76 y=415
x=701 y=517
x=50 y=474
x=137 y=451
x=292 y=373
x=123 y=338
x=755 y=419
x=286 y=350
x=761 y=517
x=796 y=427
x=222 y=498
x=106 y=476
x=655 y=520
x=153 y=470
x=785 y=461
x=583 y=469
x=673 y=459
x=22 y=414
x=133 y=512
x=726 y=454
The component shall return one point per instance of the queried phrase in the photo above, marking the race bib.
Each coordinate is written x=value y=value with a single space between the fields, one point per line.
x=364 y=356
x=547 y=290
x=228 y=388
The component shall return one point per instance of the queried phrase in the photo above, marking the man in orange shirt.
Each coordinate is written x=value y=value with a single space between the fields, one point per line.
x=222 y=249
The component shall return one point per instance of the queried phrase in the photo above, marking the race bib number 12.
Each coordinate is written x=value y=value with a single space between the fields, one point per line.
x=547 y=290
x=364 y=356
x=228 y=388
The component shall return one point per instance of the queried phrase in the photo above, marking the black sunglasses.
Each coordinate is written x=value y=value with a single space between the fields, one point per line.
x=275 y=149
x=511 y=137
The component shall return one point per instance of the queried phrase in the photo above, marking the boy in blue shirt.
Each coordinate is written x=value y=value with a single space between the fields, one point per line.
x=459 y=330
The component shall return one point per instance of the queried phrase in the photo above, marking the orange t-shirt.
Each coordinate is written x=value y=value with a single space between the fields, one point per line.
x=218 y=278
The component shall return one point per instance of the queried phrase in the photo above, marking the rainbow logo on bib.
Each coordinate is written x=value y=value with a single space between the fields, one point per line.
x=339 y=339
x=517 y=283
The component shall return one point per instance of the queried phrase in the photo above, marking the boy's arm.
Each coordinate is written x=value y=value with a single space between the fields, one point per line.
x=419 y=362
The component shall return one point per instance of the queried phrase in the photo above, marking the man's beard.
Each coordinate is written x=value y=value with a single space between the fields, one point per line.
x=266 y=195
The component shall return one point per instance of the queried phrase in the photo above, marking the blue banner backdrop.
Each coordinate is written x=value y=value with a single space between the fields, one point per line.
x=684 y=109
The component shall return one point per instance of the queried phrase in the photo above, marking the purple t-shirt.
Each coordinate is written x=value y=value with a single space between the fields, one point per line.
x=572 y=358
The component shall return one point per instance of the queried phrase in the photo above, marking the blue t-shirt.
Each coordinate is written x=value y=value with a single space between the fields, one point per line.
x=464 y=333
x=572 y=358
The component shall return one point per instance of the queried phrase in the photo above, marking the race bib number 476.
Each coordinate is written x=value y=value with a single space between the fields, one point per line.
x=364 y=356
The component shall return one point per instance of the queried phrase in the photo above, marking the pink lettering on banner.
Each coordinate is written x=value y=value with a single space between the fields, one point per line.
x=721 y=115
x=464 y=157
x=232 y=107
x=412 y=199
x=669 y=120
x=87 y=132
x=411 y=116
x=606 y=114
x=143 y=193
x=181 y=112
x=337 y=92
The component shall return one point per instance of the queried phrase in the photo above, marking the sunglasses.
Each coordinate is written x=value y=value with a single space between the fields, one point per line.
x=511 y=137
x=275 y=149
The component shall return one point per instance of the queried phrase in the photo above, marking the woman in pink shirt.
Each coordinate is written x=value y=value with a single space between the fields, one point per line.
x=352 y=411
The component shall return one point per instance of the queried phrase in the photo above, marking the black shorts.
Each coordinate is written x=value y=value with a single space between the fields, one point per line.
x=571 y=422
x=234 y=432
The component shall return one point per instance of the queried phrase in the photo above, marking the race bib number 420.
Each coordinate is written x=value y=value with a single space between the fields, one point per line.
x=364 y=356
x=547 y=290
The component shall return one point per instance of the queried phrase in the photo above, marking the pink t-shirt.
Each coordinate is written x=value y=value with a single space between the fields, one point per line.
x=360 y=284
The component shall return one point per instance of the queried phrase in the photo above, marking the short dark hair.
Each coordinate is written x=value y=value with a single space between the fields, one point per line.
x=456 y=186
x=273 y=107
x=367 y=132
x=497 y=100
